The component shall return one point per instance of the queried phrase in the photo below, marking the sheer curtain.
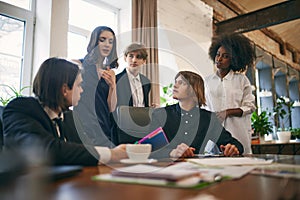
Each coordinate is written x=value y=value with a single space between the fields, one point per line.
x=144 y=25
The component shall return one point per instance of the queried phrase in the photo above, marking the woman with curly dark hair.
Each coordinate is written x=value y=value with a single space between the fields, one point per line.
x=229 y=92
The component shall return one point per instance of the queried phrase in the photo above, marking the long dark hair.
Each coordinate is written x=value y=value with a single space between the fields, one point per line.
x=49 y=80
x=92 y=48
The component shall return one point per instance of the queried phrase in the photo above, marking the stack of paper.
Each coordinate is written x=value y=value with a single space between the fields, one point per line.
x=178 y=175
x=153 y=172
x=196 y=173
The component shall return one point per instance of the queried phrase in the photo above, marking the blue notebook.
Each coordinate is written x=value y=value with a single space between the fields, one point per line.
x=156 y=138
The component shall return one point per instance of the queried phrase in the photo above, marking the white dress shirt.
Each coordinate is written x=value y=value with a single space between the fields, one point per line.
x=136 y=89
x=233 y=91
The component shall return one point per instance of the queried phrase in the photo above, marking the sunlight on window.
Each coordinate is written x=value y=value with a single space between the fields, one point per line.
x=88 y=16
x=84 y=17
x=77 y=45
x=26 y=4
x=11 y=42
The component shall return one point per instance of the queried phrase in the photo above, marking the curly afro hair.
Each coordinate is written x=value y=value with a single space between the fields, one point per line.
x=238 y=46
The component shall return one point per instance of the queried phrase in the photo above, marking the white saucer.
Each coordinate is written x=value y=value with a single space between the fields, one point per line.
x=128 y=161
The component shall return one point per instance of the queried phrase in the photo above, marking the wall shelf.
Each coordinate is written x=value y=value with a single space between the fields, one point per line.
x=272 y=79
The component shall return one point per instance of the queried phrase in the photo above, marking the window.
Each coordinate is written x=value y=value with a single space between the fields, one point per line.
x=26 y=4
x=16 y=36
x=84 y=16
x=11 y=42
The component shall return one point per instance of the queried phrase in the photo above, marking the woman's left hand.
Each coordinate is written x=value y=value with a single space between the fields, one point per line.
x=230 y=150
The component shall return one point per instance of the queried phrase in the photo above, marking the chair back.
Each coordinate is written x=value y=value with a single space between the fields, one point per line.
x=133 y=123
x=1 y=128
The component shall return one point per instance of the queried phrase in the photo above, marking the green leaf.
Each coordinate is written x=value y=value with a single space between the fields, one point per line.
x=15 y=93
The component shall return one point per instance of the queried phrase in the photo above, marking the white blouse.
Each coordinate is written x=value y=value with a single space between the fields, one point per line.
x=233 y=91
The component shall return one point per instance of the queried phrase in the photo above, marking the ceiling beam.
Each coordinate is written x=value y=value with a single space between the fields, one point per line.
x=276 y=14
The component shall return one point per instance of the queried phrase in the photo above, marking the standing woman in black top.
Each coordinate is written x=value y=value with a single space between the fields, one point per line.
x=98 y=100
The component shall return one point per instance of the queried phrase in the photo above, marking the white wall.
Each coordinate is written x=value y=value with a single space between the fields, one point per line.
x=185 y=31
x=59 y=28
x=51 y=31
x=41 y=48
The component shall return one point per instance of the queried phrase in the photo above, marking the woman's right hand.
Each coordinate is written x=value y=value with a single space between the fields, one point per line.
x=109 y=76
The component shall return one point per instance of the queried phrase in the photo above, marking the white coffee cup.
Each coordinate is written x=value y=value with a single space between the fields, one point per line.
x=284 y=136
x=138 y=152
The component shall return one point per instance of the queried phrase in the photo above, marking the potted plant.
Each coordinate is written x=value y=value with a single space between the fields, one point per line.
x=282 y=112
x=166 y=97
x=261 y=124
x=296 y=133
x=11 y=94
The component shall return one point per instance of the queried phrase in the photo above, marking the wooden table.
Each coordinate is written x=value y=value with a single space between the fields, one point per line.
x=81 y=187
x=276 y=147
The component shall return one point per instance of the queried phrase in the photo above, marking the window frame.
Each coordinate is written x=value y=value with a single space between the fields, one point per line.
x=28 y=17
x=87 y=33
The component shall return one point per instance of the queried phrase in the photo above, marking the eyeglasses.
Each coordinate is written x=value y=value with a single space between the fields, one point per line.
x=180 y=82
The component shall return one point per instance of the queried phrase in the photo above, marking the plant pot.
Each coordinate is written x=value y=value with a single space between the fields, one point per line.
x=268 y=137
x=284 y=136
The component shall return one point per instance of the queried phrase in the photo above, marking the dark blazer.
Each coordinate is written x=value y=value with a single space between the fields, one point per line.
x=124 y=97
x=194 y=128
x=26 y=123
x=124 y=93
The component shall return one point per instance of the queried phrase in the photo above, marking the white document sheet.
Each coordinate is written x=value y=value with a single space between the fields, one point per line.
x=226 y=161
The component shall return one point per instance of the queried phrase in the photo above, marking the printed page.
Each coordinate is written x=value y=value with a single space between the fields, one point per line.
x=226 y=161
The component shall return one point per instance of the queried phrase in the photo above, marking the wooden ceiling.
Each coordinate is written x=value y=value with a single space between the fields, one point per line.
x=278 y=19
x=288 y=32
